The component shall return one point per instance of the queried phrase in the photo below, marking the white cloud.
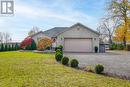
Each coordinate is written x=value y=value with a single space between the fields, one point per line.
x=26 y=15
x=68 y=14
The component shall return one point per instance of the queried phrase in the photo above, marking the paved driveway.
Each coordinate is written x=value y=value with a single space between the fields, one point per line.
x=116 y=62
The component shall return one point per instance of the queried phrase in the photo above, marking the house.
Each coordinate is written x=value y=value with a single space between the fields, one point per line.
x=77 y=38
x=36 y=37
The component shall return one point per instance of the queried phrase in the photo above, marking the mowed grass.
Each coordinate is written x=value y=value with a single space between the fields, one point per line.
x=26 y=69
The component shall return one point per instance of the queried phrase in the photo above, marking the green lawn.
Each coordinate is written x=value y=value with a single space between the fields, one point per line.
x=26 y=69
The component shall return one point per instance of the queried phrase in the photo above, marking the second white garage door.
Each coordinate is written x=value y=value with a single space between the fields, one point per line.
x=77 y=45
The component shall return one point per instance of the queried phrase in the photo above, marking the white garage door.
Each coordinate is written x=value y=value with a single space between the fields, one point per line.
x=78 y=45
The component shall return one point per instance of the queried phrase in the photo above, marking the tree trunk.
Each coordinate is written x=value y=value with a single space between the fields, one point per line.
x=125 y=31
x=124 y=41
x=110 y=40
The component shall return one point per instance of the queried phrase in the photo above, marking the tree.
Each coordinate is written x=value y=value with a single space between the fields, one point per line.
x=6 y=47
x=16 y=46
x=33 y=31
x=44 y=43
x=2 y=47
x=120 y=9
x=107 y=28
x=28 y=44
x=9 y=47
x=28 y=47
x=1 y=37
x=27 y=41
x=13 y=47
x=6 y=37
x=33 y=45
x=119 y=34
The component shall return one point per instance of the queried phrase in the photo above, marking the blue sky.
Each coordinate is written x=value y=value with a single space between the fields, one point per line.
x=47 y=14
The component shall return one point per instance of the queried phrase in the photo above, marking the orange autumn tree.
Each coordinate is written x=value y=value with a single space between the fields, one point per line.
x=120 y=9
x=44 y=43
x=119 y=33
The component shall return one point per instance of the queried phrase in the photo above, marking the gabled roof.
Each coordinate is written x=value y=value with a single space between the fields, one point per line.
x=55 y=31
x=79 y=24
x=36 y=33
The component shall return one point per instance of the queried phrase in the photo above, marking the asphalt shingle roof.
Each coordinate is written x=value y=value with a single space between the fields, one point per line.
x=55 y=31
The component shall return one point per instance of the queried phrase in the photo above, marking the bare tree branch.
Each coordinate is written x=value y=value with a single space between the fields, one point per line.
x=33 y=31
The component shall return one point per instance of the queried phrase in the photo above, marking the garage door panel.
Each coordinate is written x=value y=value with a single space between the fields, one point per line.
x=78 y=45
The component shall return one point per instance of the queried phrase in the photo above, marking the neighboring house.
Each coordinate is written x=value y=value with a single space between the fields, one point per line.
x=77 y=38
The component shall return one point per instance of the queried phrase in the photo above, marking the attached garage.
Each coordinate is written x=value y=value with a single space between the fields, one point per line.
x=76 y=38
x=78 y=45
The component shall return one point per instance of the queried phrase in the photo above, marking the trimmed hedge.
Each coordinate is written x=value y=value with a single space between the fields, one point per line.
x=59 y=51
x=65 y=60
x=9 y=47
x=116 y=47
x=2 y=47
x=5 y=48
x=99 y=68
x=58 y=56
x=74 y=63
x=60 y=47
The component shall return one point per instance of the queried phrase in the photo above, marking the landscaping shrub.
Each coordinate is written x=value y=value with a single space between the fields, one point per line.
x=13 y=47
x=60 y=47
x=2 y=47
x=48 y=48
x=128 y=47
x=116 y=47
x=99 y=69
x=74 y=63
x=90 y=68
x=28 y=47
x=58 y=56
x=9 y=48
x=27 y=41
x=120 y=47
x=16 y=46
x=56 y=48
x=59 y=51
x=65 y=60
x=5 y=48
x=44 y=43
x=112 y=46
x=96 y=49
x=27 y=44
x=33 y=45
